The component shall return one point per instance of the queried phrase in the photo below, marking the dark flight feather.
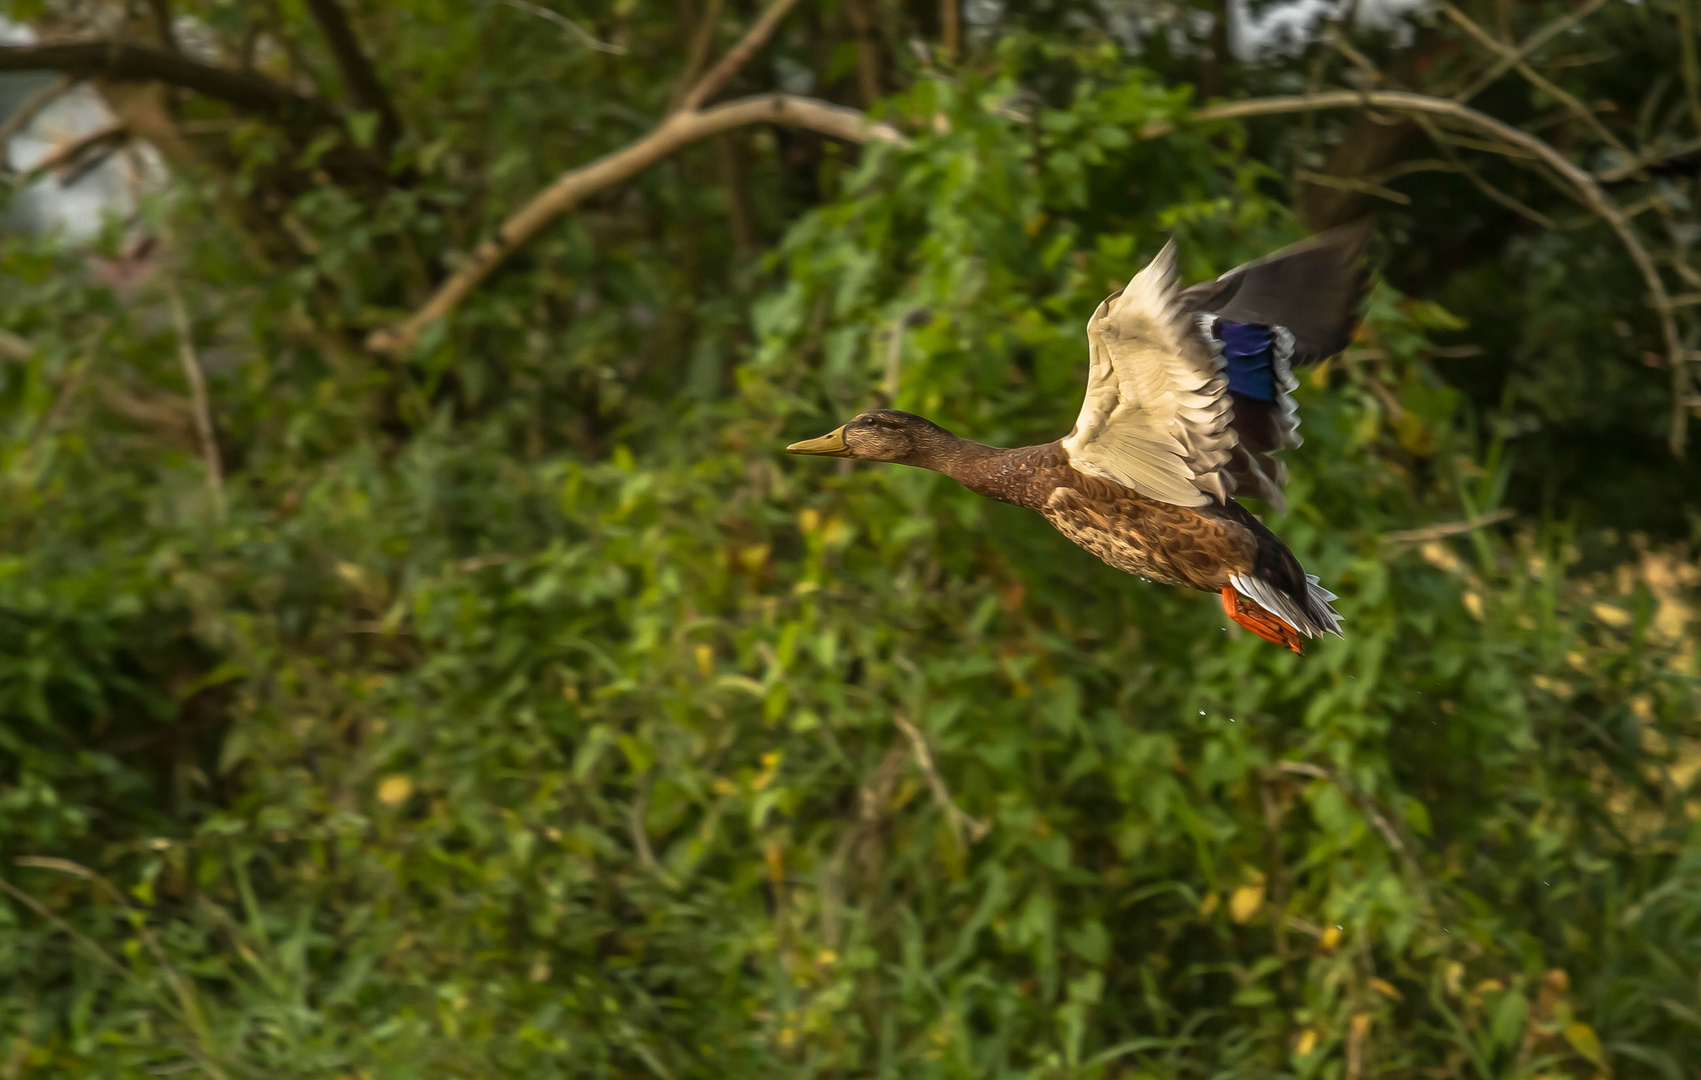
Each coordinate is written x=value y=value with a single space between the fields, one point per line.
x=1314 y=288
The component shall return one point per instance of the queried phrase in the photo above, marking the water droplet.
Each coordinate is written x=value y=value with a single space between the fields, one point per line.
x=1231 y=719
x=1201 y=712
x=1338 y=926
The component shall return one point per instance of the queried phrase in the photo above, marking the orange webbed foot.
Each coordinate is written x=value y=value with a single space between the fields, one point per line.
x=1261 y=622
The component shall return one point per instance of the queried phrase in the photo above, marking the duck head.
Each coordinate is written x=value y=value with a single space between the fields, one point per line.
x=884 y=435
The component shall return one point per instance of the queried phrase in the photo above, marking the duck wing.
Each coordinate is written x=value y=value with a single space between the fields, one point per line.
x=1156 y=417
x=1292 y=308
x=1311 y=289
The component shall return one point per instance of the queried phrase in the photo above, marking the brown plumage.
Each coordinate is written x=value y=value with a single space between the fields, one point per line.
x=1145 y=479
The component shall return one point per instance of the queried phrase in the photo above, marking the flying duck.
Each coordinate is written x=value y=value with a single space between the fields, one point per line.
x=1189 y=397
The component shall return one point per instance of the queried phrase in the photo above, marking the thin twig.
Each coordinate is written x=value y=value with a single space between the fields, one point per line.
x=739 y=215
x=641 y=837
x=1367 y=805
x=189 y=1012
x=360 y=78
x=1278 y=890
x=197 y=397
x=1691 y=66
x=894 y=360
x=163 y=25
x=62 y=403
x=583 y=36
x=1417 y=165
x=1644 y=159
x=1511 y=203
x=873 y=797
x=738 y=56
x=678 y=130
x=867 y=52
x=1352 y=183
x=961 y=822
x=1449 y=528
x=697 y=55
x=1338 y=41
x=950 y=28
x=166 y=414
x=13 y=347
x=1531 y=44
x=915 y=316
x=60 y=156
x=1486 y=146
x=1534 y=77
x=49 y=422
x=66 y=928
x=25 y=114
x=1357 y=1029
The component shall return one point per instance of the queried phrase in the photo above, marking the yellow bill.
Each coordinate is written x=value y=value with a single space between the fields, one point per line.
x=831 y=444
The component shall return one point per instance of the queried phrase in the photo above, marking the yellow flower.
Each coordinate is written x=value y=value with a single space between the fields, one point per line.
x=394 y=790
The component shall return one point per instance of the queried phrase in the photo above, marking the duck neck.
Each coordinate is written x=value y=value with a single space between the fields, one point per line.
x=974 y=465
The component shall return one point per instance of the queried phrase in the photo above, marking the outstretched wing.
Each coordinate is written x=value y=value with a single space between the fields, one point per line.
x=1312 y=289
x=1157 y=411
x=1295 y=307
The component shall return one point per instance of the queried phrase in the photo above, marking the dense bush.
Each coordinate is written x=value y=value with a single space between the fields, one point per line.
x=518 y=708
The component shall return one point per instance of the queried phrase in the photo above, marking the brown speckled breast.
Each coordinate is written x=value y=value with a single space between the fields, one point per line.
x=1196 y=547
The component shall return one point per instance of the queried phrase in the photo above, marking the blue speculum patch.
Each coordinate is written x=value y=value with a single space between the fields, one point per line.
x=1249 y=352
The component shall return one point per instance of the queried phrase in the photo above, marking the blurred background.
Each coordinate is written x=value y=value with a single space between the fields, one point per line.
x=418 y=657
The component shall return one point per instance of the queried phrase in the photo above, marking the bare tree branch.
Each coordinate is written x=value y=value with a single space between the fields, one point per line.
x=1581 y=183
x=678 y=130
x=688 y=123
x=738 y=56
x=118 y=62
x=364 y=87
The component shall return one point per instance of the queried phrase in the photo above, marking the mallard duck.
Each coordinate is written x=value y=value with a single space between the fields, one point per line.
x=1189 y=396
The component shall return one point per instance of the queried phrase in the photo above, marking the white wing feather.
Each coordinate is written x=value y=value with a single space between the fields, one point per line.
x=1156 y=415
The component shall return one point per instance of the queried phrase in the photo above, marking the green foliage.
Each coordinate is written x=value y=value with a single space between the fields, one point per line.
x=529 y=713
